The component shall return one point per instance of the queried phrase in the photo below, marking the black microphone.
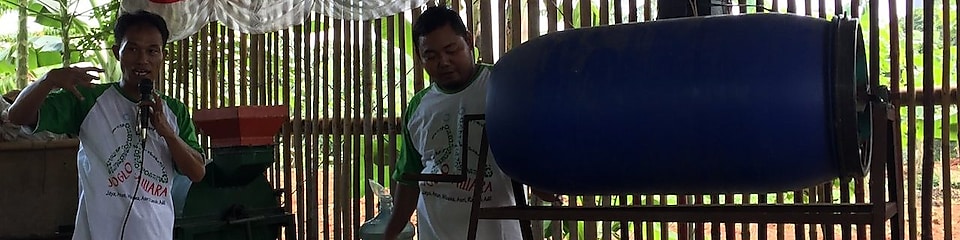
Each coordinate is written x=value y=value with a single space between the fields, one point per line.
x=146 y=96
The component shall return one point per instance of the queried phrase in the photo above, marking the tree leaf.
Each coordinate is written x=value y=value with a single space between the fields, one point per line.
x=76 y=57
x=48 y=59
x=47 y=44
x=6 y=5
x=6 y=54
x=45 y=16
x=51 y=5
x=7 y=67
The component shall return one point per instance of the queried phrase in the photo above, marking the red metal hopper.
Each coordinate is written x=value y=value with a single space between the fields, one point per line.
x=241 y=126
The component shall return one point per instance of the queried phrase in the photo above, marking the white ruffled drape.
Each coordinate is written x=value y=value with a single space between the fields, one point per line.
x=186 y=17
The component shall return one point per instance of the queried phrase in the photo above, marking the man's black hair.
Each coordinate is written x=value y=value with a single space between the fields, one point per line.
x=141 y=17
x=436 y=17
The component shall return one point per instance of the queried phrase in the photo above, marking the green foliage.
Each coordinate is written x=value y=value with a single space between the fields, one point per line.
x=6 y=82
x=615 y=227
x=44 y=52
x=47 y=13
x=90 y=41
x=87 y=40
x=939 y=48
x=365 y=162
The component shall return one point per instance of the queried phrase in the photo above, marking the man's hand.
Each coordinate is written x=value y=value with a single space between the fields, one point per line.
x=188 y=161
x=158 y=117
x=70 y=78
x=407 y=197
x=25 y=109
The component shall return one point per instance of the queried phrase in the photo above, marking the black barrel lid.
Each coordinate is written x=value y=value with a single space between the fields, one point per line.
x=850 y=120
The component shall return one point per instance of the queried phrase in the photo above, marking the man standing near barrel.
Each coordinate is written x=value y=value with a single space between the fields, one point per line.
x=431 y=134
x=131 y=139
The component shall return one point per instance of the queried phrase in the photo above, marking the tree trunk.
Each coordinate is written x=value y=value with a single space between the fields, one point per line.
x=22 y=43
x=65 y=20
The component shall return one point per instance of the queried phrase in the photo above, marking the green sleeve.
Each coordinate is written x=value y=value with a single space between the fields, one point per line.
x=409 y=161
x=187 y=130
x=62 y=113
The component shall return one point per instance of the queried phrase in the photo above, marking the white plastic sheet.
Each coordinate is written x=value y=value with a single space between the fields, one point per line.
x=186 y=17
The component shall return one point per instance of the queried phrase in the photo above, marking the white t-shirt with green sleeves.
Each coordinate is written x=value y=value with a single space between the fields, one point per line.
x=432 y=145
x=109 y=161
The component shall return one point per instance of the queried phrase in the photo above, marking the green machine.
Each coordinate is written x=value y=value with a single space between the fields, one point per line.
x=234 y=200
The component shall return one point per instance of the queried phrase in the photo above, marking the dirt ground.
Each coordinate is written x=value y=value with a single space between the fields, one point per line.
x=772 y=230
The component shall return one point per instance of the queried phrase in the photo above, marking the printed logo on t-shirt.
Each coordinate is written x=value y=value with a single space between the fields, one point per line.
x=448 y=161
x=125 y=163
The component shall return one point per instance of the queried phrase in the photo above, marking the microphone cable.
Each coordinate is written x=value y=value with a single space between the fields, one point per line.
x=143 y=149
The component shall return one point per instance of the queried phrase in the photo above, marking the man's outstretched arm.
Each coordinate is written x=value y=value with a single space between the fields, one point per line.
x=405 y=203
x=25 y=109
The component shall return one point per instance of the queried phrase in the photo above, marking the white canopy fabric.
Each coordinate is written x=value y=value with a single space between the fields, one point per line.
x=186 y=17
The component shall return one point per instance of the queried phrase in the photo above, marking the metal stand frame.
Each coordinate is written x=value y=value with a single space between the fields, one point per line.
x=882 y=159
x=885 y=164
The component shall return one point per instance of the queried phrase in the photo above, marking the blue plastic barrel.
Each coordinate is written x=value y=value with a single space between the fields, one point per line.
x=747 y=103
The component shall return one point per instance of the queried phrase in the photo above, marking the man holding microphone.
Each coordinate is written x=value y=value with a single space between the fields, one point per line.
x=132 y=140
